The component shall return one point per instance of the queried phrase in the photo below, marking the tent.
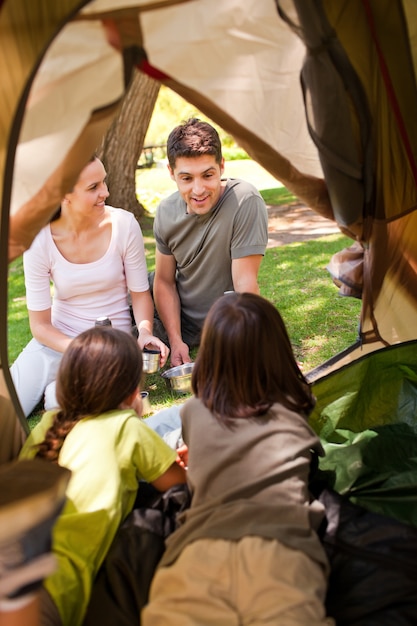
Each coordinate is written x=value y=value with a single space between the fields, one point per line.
x=322 y=94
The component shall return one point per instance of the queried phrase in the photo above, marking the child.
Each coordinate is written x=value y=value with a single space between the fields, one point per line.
x=247 y=551
x=98 y=435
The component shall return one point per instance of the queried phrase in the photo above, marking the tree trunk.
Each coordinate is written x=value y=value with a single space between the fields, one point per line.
x=122 y=145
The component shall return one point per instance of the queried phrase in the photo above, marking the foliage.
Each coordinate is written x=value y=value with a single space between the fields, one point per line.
x=171 y=110
x=152 y=185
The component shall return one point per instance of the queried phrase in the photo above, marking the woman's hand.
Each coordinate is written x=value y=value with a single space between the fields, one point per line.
x=147 y=340
x=143 y=311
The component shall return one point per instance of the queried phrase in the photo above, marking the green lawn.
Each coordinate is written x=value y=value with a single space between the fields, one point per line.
x=293 y=277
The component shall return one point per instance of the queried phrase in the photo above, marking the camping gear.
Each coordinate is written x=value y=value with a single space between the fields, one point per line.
x=178 y=379
x=103 y=321
x=133 y=556
x=151 y=361
x=146 y=405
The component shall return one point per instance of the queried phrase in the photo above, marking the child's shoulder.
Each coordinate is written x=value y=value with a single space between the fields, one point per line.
x=37 y=435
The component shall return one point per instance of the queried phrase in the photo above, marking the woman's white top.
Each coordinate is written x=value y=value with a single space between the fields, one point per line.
x=79 y=293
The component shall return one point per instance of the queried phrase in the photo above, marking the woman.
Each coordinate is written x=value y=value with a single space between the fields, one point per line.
x=93 y=255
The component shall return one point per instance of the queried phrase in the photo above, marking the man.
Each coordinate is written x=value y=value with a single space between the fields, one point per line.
x=210 y=237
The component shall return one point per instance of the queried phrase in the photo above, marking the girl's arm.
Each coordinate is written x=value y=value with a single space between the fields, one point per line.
x=182 y=458
x=173 y=476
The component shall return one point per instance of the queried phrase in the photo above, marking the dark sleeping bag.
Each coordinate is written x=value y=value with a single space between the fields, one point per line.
x=122 y=585
x=373 y=560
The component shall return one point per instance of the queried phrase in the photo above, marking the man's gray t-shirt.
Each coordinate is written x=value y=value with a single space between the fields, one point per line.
x=205 y=245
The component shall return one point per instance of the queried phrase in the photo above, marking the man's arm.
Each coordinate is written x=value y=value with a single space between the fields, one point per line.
x=245 y=273
x=168 y=305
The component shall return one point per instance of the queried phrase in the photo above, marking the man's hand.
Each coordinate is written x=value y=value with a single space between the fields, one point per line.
x=179 y=353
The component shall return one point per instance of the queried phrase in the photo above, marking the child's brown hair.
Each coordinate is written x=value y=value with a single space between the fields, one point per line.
x=100 y=368
x=245 y=361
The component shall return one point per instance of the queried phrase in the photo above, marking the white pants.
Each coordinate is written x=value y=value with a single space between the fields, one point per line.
x=33 y=374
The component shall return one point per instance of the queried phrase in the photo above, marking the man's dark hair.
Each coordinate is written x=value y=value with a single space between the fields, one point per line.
x=193 y=138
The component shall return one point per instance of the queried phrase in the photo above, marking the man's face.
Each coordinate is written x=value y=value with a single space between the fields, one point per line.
x=199 y=182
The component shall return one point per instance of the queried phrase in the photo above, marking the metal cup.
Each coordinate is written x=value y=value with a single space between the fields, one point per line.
x=151 y=360
x=146 y=405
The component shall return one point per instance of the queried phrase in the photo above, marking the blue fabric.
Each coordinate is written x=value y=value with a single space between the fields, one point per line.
x=167 y=423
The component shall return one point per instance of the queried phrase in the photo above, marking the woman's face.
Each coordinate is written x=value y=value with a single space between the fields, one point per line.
x=90 y=191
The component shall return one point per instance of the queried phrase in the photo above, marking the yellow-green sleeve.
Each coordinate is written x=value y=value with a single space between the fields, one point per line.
x=36 y=436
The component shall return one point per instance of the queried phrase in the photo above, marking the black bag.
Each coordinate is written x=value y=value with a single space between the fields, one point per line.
x=122 y=585
x=373 y=560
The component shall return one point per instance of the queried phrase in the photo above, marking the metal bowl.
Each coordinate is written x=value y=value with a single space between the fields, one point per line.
x=178 y=379
x=151 y=361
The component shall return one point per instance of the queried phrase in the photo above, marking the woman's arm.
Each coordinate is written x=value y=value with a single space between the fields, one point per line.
x=143 y=311
x=42 y=330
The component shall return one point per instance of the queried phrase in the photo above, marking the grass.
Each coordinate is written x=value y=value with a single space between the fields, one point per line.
x=320 y=323
x=294 y=277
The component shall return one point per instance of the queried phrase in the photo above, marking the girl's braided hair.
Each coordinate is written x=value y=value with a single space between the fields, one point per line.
x=99 y=370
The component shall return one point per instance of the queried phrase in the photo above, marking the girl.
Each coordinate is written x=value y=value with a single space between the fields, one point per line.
x=97 y=434
x=247 y=551
x=94 y=256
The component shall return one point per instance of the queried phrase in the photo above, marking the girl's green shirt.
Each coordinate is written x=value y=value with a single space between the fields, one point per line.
x=108 y=455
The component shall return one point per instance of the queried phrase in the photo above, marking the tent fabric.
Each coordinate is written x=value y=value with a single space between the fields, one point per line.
x=348 y=148
x=327 y=77
x=366 y=417
x=346 y=145
x=61 y=80
x=356 y=61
